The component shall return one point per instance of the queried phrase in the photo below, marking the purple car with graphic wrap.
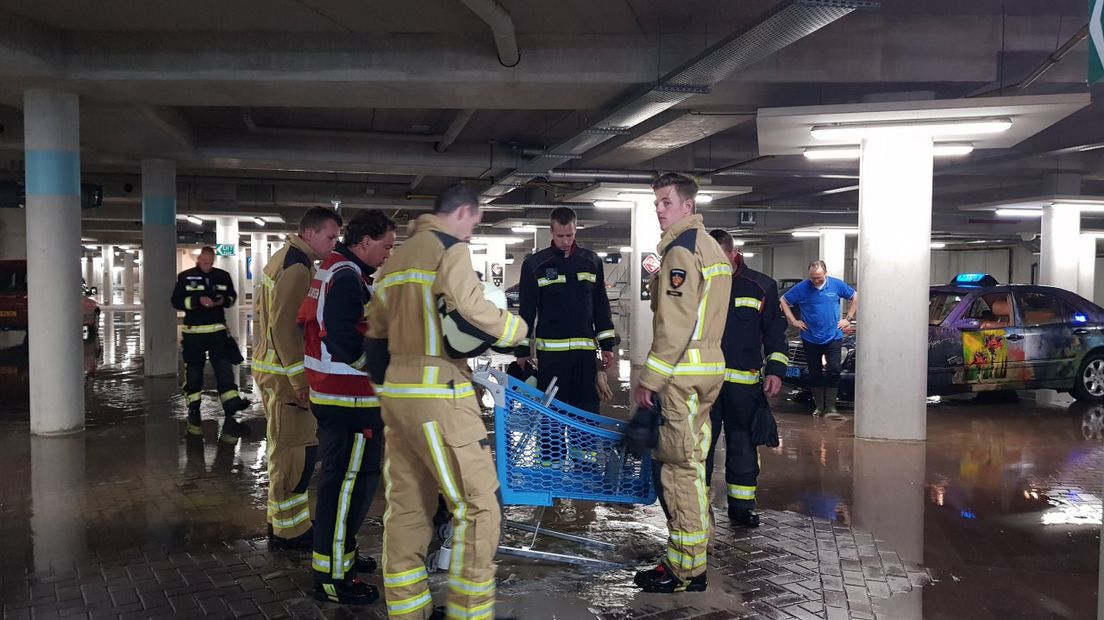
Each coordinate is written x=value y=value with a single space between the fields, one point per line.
x=984 y=336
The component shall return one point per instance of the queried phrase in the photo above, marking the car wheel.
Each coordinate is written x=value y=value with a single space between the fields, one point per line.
x=1089 y=385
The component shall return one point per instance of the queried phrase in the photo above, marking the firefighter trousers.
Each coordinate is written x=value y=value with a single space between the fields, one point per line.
x=683 y=442
x=349 y=446
x=734 y=411
x=574 y=372
x=196 y=349
x=292 y=450
x=438 y=445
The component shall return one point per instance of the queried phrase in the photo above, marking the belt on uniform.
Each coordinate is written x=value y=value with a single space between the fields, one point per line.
x=204 y=329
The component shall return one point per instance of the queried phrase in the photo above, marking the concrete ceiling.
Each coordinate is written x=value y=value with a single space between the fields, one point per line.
x=272 y=105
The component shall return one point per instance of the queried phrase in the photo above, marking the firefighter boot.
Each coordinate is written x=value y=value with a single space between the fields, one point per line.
x=830 y=411
x=349 y=592
x=439 y=614
x=662 y=581
x=195 y=422
x=234 y=405
x=364 y=563
x=302 y=542
x=818 y=401
x=743 y=517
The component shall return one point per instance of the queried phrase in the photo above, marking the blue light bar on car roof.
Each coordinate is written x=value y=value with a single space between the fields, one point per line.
x=974 y=279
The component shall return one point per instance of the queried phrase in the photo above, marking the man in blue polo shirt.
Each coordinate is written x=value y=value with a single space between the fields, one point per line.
x=821 y=331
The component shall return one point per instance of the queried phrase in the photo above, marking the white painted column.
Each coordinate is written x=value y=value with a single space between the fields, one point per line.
x=58 y=528
x=90 y=271
x=542 y=239
x=1086 y=266
x=895 y=206
x=832 y=244
x=226 y=232
x=258 y=246
x=138 y=262
x=1059 y=243
x=107 y=293
x=496 y=255
x=158 y=267
x=51 y=125
x=128 y=277
x=645 y=238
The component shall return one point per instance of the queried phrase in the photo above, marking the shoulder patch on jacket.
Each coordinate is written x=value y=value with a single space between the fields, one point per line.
x=677 y=276
x=446 y=239
x=688 y=239
x=295 y=256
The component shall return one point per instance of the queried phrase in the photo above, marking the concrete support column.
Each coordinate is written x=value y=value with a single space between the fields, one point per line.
x=226 y=232
x=158 y=266
x=51 y=123
x=258 y=246
x=832 y=244
x=107 y=282
x=645 y=237
x=1059 y=243
x=895 y=206
x=1086 y=266
x=89 y=270
x=542 y=239
x=128 y=277
x=138 y=262
x=57 y=520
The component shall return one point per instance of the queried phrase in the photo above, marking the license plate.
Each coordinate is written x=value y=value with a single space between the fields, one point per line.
x=793 y=371
x=7 y=314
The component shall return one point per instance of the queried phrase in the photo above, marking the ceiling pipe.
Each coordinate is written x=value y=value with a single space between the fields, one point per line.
x=251 y=124
x=455 y=127
x=502 y=27
x=1054 y=58
x=623 y=176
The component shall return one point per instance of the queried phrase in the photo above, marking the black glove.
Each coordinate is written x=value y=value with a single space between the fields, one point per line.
x=642 y=433
x=764 y=428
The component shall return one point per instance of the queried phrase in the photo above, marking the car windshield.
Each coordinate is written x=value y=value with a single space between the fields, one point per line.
x=12 y=280
x=940 y=305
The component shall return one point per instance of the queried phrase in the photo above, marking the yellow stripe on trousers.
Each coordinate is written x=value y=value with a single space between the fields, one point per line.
x=451 y=492
x=343 y=501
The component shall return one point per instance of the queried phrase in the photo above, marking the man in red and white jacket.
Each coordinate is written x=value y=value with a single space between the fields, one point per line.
x=344 y=401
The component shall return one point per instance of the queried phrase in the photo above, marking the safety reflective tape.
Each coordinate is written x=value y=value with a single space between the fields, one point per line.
x=187 y=303
x=476 y=612
x=744 y=377
x=778 y=357
x=451 y=492
x=292 y=502
x=524 y=342
x=565 y=344
x=659 y=366
x=683 y=561
x=195 y=429
x=322 y=562
x=268 y=282
x=585 y=276
x=509 y=331
x=415 y=390
x=717 y=269
x=607 y=334
x=408 y=605
x=331 y=367
x=432 y=326
x=301 y=517
x=360 y=362
x=471 y=588
x=228 y=438
x=409 y=276
x=194 y=287
x=405 y=578
x=715 y=369
x=690 y=538
x=204 y=329
x=192 y=398
x=228 y=395
x=337 y=400
x=343 y=501
x=561 y=279
x=747 y=302
x=739 y=491
x=221 y=287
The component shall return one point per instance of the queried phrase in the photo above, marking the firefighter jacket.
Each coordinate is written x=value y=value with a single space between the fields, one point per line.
x=334 y=321
x=191 y=285
x=404 y=327
x=690 y=297
x=568 y=293
x=277 y=339
x=755 y=327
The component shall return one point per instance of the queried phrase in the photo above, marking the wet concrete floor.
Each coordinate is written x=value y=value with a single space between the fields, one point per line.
x=997 y=515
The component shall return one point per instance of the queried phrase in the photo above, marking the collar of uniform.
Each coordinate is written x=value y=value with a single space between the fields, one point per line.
x=296 y=241
x=561 y=253
x=344 y=251
x=428 y=222
x=679 y=227
x=739 y=267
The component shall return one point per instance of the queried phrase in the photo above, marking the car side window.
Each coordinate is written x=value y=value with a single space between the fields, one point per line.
x=1043 y=309
x=993 y=311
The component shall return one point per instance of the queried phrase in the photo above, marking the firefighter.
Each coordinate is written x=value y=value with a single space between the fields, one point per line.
x=684 y=370
x=344 y=401
x=562 y=297
x=436 y=441
x=278 y=371
x=755 y=327
x=203 y=293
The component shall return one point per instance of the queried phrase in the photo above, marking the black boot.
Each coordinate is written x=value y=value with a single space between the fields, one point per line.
x=302 y=542
x=439 y=614
x=364 y=563
x=235 y=405
x=661 y=580
x=743 y=517
x=195 y=422
x=350 y=592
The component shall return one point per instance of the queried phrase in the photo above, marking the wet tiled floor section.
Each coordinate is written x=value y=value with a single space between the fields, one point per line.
x=996 y=516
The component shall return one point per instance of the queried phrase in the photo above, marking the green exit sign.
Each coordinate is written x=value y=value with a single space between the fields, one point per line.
x=224 y=249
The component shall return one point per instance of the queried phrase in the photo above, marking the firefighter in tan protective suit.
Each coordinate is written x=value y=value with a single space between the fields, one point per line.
x=435 y=439
x=684 y=370
x=279 y=374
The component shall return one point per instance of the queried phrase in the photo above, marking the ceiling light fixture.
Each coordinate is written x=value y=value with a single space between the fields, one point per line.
x=704 y=199
x=602 y=254
x=258 y=221
x=935 y=128
x=937 y=245
x=747 y=254
x=524 y=229
x=501 y=240
x=193 y=219
x=1019 y=213
x=626 y=248
x=831 y=153
x=612 y=204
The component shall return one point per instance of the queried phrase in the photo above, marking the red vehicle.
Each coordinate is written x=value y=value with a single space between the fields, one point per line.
x=13 y=299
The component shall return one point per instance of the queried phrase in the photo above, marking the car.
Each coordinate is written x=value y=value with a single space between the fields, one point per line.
x=13 y=300
x=984 y=336
x=513 y=295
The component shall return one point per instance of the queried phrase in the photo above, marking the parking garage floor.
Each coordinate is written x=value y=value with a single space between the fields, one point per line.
x=997 y=515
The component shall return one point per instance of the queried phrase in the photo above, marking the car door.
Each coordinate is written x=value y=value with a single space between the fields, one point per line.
x=992 y=343
x=1049 y=347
